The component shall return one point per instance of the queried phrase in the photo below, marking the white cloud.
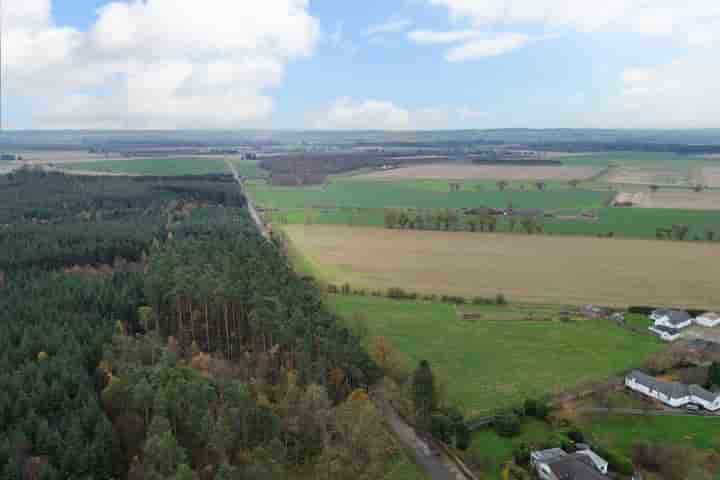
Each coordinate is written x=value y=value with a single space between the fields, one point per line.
x=390 y=26
x=155 y=63
x=641 y=16
x=354 y=114
x=429 y=37
x=488 y=47
x=683 y=93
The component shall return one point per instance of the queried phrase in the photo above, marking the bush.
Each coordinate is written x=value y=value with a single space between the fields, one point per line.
x=617 y=462
x=500 y=299
x=441 y=427
x=507 y=424
x=576 y=435
x=332 y=288
x=536 y=408
x=522 y=454
x=481 y=301
x=345 y=289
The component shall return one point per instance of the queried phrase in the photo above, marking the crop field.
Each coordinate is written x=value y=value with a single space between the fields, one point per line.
x=678 y=199
x=421 y=194
x=486 y=172
x=168 y=166
x=545 y=269
x=711 y=176
x=495 y=364
x=650 y=176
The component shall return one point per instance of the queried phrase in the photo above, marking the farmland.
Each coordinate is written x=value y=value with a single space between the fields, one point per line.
x=493 y=364
x=678 y=199
x=532 y=268
x=486 y=172
x=420 y=194
x=167 y=166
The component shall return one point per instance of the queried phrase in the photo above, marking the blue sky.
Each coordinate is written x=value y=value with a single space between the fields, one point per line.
x=412 y=64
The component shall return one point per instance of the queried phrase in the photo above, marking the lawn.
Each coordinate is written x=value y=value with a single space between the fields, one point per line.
x=169 y=166
x=495 y=364
x=420 y=194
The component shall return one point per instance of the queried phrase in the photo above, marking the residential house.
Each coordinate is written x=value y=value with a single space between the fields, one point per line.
x=672 y=318
x=600 y=463
x=668 y=334
x=709 y=319
x=556 y=464
x=673 y=394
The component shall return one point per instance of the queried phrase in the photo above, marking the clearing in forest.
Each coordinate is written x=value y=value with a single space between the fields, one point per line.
x=538 y=268
x=486 y=172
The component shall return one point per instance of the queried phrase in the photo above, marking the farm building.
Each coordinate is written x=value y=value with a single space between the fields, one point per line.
x=668 y=334
x=673 y=394
x=709 y=319
x=556 y=464
x=678 y=319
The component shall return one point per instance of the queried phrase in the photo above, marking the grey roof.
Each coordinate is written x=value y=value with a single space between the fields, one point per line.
x=575 y=467
x=702 y=393
x=675 y=317
x=548 y=455
x=671 y=389
x=663 y=328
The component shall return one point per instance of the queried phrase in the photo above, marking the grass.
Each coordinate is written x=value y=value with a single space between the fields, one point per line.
x=640 y=159
x=495 y=364
x=169 y=166
x=538 y=268
x=418 y=194
x=622 y=432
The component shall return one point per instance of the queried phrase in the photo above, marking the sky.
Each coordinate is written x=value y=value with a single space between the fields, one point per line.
x=370 y=64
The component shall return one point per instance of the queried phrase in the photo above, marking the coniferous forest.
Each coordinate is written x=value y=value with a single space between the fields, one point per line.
x=147 y=330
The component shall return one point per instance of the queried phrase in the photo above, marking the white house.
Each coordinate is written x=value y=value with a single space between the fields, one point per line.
x=709 y=319
x=668 y=334
x=600 y=463
x=673 y=394
x=678 y=319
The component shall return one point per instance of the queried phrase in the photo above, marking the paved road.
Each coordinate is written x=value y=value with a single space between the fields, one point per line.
x=435 y=463
x=251 y=207
x=656 y=413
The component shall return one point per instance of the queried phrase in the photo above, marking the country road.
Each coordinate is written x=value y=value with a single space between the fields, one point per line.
x=251 y=208
x=438 y=466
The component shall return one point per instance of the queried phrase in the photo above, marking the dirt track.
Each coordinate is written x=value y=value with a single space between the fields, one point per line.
x=543 y=269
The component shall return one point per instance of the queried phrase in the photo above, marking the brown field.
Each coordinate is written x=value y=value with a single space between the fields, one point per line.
x=711 y=176
x=485 y=172
x=648 y=176
x=683 y=200
x=543 y=269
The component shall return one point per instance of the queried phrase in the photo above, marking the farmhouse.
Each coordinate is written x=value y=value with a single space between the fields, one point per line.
x=672 y=393
x=709 y=319
x=672 y=318
x=556 y=464
x=668 y=334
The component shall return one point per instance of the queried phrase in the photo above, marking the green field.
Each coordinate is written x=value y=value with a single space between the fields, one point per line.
x=641 y=159
x=417 y=194
x=169 y=166
x=495 y=364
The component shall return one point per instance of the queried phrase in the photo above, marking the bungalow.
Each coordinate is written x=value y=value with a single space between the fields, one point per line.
x=709 y=319
x=672 y=318
x=673 y=394
x=668 y=334
x=556 y=464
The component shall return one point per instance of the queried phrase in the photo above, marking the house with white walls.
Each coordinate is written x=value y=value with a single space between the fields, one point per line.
x=673 y=394
x=709 y=319
x=678 y=319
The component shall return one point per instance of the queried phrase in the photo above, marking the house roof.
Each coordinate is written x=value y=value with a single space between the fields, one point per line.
x=671 y=389
x=710 y=316
x=702 y=393
x=663 y=328
x=548 y=455
x=675 y=317
x=597 y=460
x=575 y=467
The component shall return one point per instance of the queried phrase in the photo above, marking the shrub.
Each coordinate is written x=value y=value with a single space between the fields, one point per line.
x=507 y=424
x=522 y=454
x=616 y=461
x=345 y=289
x=500 y=299
x=481 y=301
x=576 y=435
x=536 y=408
x=441 y=427
x=331 y=288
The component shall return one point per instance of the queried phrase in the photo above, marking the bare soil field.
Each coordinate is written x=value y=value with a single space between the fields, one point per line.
x=543 y=269
x=648 y=176
x=486 y=172
x=682 y=200
x=711 y=176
